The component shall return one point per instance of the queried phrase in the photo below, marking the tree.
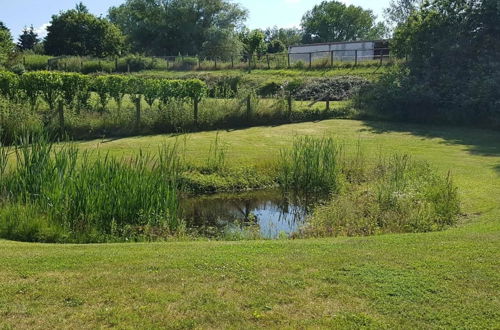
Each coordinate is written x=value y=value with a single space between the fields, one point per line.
x=333 y=21
x=6 y=45
x=28 y=39
x=77 y=32
x=167 y=27
x=453 y=69
x=288 y=37
x=222 y=44
x=275 y=46
x=400 y=10
x=253 y=42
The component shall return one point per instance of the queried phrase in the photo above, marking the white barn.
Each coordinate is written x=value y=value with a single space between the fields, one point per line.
x=338 y=51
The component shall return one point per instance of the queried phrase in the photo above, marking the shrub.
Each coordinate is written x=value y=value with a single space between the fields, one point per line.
x=9 y=83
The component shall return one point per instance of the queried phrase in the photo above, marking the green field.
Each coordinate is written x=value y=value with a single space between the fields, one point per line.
x=446 y=279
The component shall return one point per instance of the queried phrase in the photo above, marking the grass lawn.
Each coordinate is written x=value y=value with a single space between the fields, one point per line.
x=445 y=279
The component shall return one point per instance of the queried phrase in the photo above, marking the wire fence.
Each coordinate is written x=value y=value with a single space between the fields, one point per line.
x=291 y=60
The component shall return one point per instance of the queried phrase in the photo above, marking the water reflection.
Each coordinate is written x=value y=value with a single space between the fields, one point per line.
x=270 y=211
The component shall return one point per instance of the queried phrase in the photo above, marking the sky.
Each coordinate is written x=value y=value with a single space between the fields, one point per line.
x=16 y=14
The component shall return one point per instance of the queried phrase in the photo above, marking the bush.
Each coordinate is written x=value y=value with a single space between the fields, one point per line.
x=9 y=84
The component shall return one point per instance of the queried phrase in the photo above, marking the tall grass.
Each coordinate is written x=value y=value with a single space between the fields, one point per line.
x=93 y=200
x=311 y=166
x=401 y=195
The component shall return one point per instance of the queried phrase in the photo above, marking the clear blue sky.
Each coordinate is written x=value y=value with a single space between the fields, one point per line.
x=263 y=13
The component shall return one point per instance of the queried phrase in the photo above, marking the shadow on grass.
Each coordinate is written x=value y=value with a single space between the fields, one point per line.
x=482 y=142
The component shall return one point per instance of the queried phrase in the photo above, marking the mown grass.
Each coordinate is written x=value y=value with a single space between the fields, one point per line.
x=444 y=279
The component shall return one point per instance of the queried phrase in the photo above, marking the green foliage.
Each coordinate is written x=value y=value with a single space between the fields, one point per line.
x=77 y=32
x=28 y=39
x=333 y=21
x=9 y=84
x=17 y=119
x=253 y=42
x=49 y=85
x=34 y=62
x=453 y=70
x=90 y=200
x=151 y=90
x=117 y=88
x=74 y=87
x=174 y=27
x=401 y=196
x=6 y=45
x=195 y=89
x=222 y=44
x=101 y=88
x=276 y=46
x=287 y=36
x=312 y=166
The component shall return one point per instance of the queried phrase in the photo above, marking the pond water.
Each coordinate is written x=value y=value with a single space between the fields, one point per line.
x=270 y=212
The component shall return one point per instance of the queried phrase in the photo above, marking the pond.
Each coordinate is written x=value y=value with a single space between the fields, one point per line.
x=269 y=211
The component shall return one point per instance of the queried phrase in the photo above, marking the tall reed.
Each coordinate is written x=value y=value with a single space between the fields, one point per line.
x=99 y=197
x=312 y=165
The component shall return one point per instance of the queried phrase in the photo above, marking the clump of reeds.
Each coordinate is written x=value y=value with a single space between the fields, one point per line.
x=312 y=166
x=101 y=197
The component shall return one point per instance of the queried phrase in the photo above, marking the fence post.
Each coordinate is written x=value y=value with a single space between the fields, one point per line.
x=128 y=67
x=81 y=66
x=288 y=60
x=268 y=63
x=310 y=60
x=232 y=62
x=356 y=57
x=331 y=58
x=116 y=64
x=381 y=58
x=199 y=62
x=48 y=65
x=328 y=104
x=215 y=63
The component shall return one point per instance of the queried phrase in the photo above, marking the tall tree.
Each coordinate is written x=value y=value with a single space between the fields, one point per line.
x=453 y=69
x=28 y=39
x=222 y=44
x=332 y=21
x=399 y=11
x=288 y=36
x=253 y=42
x=6 y=45
x=77 y=32
x=170 y=27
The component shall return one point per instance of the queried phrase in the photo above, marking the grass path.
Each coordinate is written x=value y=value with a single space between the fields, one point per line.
x=446 y=279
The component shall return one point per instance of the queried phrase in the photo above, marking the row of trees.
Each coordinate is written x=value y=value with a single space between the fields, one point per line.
x=203 y=27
